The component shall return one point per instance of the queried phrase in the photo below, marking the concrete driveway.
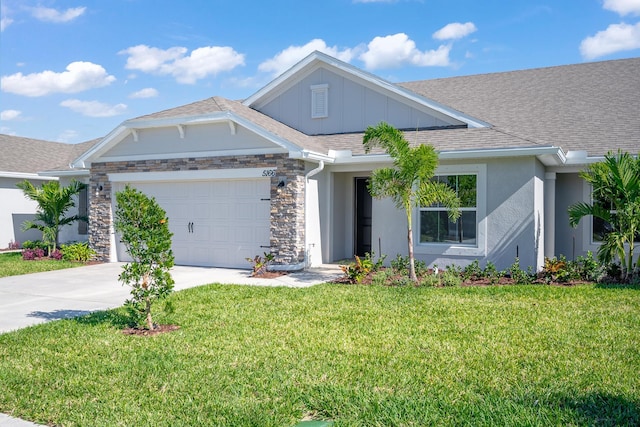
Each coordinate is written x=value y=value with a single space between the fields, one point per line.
x=40 y=297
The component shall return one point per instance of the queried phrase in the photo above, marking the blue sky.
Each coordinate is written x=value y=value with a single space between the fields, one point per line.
x=72 y=70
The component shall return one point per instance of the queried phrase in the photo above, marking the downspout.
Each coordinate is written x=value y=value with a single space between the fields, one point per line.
x=308 y=175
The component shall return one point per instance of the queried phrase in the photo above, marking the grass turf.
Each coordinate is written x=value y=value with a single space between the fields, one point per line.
x=358 y=355
x=12 y=264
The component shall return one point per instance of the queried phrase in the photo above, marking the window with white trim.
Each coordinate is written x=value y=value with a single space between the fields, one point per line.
x=319 y=101
x=435 y=226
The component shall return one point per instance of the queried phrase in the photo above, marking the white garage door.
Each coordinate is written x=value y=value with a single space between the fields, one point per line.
x=216 y=223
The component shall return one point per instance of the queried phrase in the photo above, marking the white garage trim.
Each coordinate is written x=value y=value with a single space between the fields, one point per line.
x=199 y=175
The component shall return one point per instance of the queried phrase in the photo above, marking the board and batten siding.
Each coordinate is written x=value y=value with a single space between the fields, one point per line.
x=352 y=107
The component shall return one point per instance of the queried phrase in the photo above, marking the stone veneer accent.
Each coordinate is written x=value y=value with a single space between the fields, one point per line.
x=287 y=203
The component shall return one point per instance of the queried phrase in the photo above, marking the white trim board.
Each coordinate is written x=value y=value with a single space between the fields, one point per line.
x=198 y=175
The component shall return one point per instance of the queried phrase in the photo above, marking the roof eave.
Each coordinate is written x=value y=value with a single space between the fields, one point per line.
x=131 y=126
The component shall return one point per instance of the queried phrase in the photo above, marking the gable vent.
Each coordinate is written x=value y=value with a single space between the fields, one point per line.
x=319 y=101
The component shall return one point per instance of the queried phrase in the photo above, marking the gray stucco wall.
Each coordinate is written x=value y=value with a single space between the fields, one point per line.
x=512 y=217
x=570 y=241
x=352 y=107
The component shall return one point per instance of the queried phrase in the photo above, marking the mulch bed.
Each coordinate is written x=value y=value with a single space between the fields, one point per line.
x=270 y=274
x=502 y=281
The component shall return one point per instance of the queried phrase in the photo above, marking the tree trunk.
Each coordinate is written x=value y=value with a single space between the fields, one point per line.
x=412 y=263
x=148 y=314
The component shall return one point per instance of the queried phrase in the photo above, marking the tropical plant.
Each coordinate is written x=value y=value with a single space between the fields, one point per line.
x=144 y=230
x=79 y=251
x=354 y=272
x=54 y=202
x=409 y=182
x=259 y=264
x=615 y=183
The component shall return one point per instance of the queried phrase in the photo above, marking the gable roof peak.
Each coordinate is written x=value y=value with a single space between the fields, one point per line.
x=318 y=59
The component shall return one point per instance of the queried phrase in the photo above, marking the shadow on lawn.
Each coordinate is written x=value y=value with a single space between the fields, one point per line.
x=600 y=409
x=116 y=318
x=634 y=286
x=58 y=314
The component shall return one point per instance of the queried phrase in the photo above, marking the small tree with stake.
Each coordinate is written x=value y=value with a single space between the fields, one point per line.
x=145 y=233
x=409 y=182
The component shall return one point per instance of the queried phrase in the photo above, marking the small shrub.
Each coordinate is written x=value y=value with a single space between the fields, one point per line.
x=56 y=254
x=13 y=245
x=28 y=254
x=358 y=270
x=556 y=270
x=80 y=252
x=432 y=280
x=472 y=271
x=589 y=269
x=401 y=265
x=381 y=277
x=519 y=276
x=260 y=265
x=450 y=277
x=34 y=244
x=377 y=265
x=492 y=273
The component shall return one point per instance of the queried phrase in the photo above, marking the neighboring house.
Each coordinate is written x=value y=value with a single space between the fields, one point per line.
x=285 y=171
x=25 y=158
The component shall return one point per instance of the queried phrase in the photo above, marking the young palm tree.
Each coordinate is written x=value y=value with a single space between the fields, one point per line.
x=409 y=182
x=53 y=203
x=616 y=200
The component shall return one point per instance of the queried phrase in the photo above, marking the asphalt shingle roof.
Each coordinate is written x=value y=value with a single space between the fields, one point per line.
x=592 y=106
x=27 y=155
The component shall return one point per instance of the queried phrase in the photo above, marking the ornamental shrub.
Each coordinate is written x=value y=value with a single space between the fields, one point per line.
x=144 y=230
x=80 y=252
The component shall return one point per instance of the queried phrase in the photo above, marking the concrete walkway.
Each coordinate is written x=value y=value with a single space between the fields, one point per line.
x=41 y=297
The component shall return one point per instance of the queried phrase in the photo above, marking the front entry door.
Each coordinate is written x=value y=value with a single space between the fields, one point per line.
x=363 y=215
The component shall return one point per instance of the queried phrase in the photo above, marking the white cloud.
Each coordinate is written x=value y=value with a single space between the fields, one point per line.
x=4 y=23
x=94 y=108
x=201 y=63
x=10 y=115
x=397 y=50
x=148 y=92
x=79 y=76
x=150 y=59
x=52 y=15
x=616 y=38
x=623 y=7
x=291 y=55
x=455 y=31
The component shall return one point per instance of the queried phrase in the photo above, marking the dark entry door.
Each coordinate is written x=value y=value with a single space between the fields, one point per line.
x=362 y=217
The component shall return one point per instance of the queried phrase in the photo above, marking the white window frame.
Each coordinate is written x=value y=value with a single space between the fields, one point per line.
x=440 y=248
x=591 y=243
x=319 y=101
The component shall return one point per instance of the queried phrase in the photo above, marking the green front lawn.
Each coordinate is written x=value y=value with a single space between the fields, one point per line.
x=12 y=264
x=358 y=355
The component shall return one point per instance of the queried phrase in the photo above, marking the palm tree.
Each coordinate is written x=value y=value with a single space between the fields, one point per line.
x=53 y=203
x=409 y=182
x=615 y=183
